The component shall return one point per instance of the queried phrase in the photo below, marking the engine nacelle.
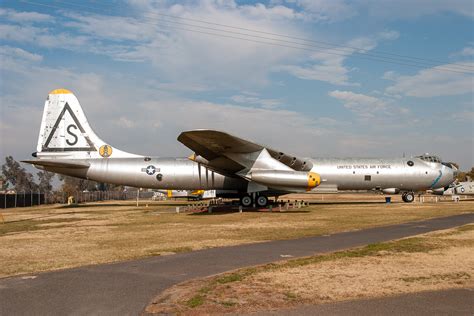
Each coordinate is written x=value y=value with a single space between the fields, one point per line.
x=286 y=178
x=391 y=190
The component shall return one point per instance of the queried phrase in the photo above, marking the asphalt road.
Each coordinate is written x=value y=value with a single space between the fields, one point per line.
x=448 y=302
x=126 y=288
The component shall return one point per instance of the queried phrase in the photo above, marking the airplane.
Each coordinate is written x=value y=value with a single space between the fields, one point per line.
x=233 y=166
x=461 y=188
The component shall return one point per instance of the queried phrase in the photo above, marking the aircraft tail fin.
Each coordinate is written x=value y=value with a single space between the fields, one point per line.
x=65 y=132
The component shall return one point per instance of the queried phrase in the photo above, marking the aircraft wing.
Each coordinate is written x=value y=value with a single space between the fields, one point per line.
x=230 y=154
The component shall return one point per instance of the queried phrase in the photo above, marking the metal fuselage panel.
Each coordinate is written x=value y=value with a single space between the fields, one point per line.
x=157 y=173
x=373 y=173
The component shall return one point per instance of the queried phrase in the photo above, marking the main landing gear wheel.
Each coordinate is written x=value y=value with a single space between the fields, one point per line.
x=262 y=201
x=246 y=201
x=408 y=197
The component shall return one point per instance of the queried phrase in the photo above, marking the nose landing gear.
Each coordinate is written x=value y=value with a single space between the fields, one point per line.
x=408 y=197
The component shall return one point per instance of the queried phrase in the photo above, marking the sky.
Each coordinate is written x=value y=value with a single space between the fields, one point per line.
x=336 y=78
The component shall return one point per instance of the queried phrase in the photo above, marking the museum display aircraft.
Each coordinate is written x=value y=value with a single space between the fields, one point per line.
x=457 y=188
x=232 y=166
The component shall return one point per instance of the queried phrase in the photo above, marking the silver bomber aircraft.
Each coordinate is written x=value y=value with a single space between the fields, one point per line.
x=233 y=166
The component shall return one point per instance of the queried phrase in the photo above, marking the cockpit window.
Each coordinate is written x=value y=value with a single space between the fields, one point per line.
x=430 y=158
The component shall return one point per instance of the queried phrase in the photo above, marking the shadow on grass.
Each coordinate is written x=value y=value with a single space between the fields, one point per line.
x=95 y=205
x=223 y=211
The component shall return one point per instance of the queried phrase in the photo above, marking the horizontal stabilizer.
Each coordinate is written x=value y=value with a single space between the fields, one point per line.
x=59 y=163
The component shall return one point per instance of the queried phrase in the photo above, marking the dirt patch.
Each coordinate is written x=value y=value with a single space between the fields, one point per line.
x=434 y=261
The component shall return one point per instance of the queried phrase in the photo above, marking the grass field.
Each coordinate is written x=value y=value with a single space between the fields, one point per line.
x=55 y=237
x=434 y=261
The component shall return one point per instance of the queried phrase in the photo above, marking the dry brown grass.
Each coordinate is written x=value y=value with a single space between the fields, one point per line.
x=432 y=261
x=53 y=237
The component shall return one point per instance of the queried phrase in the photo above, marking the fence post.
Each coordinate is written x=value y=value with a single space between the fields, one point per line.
x=16 y=197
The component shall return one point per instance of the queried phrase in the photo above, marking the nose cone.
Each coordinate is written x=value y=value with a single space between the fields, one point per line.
x=448 y=176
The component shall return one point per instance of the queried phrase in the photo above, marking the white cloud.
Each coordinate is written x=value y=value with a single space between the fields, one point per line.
x=327 y=11
x=328 y=64
x=466 y=51
x=464 y=116
x=24 y=17
x=45 y=37
x=389 y=9
x=255 y=100
x=341 y=10
x=8 y=53
x=362 y=105
x=432 y=82
x=185 y=53
x=388 y=35
x=125 y=122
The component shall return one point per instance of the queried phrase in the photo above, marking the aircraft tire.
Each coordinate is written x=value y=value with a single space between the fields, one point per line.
x=409 y=197
x=262 y=201
x=246 y=201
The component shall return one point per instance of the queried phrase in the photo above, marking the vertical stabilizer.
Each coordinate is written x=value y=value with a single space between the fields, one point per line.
x=65 y=132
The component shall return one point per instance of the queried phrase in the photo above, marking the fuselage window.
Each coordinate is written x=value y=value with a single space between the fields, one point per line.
x=410 y=163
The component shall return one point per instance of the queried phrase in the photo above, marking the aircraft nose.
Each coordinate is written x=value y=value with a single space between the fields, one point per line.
x=449 y=175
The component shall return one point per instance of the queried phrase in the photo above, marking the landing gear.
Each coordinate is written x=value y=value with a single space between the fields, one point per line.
x=262 y=201
x=408 y=197
x=246 y=201
x=257 y=200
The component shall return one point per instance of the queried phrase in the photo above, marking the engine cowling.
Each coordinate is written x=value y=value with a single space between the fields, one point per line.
x=391 y=190
x=287 y=179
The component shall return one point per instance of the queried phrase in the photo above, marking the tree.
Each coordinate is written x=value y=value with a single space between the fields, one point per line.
x=465 y=175
x=470 y=174
x=17 y=176
x=71 y=184
x=45 y=179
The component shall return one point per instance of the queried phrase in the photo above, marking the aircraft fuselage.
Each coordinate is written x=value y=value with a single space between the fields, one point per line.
x=402 y=174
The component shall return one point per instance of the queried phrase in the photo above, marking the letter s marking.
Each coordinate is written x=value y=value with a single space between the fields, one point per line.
x=68 y=129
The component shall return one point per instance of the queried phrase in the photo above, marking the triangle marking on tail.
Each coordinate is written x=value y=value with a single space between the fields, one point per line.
x=73 y=137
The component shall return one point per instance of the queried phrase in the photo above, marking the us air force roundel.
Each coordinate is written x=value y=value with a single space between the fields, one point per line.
x=150 y=170
x=105 y=151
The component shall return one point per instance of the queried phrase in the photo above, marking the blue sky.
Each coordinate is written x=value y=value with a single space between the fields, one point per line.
x=144 y=71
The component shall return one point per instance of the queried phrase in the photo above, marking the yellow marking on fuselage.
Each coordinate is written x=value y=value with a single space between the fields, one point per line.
x=170 y=193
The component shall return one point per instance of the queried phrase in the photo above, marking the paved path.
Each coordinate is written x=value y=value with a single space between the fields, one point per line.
x=447 y=302
x=125 y=288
